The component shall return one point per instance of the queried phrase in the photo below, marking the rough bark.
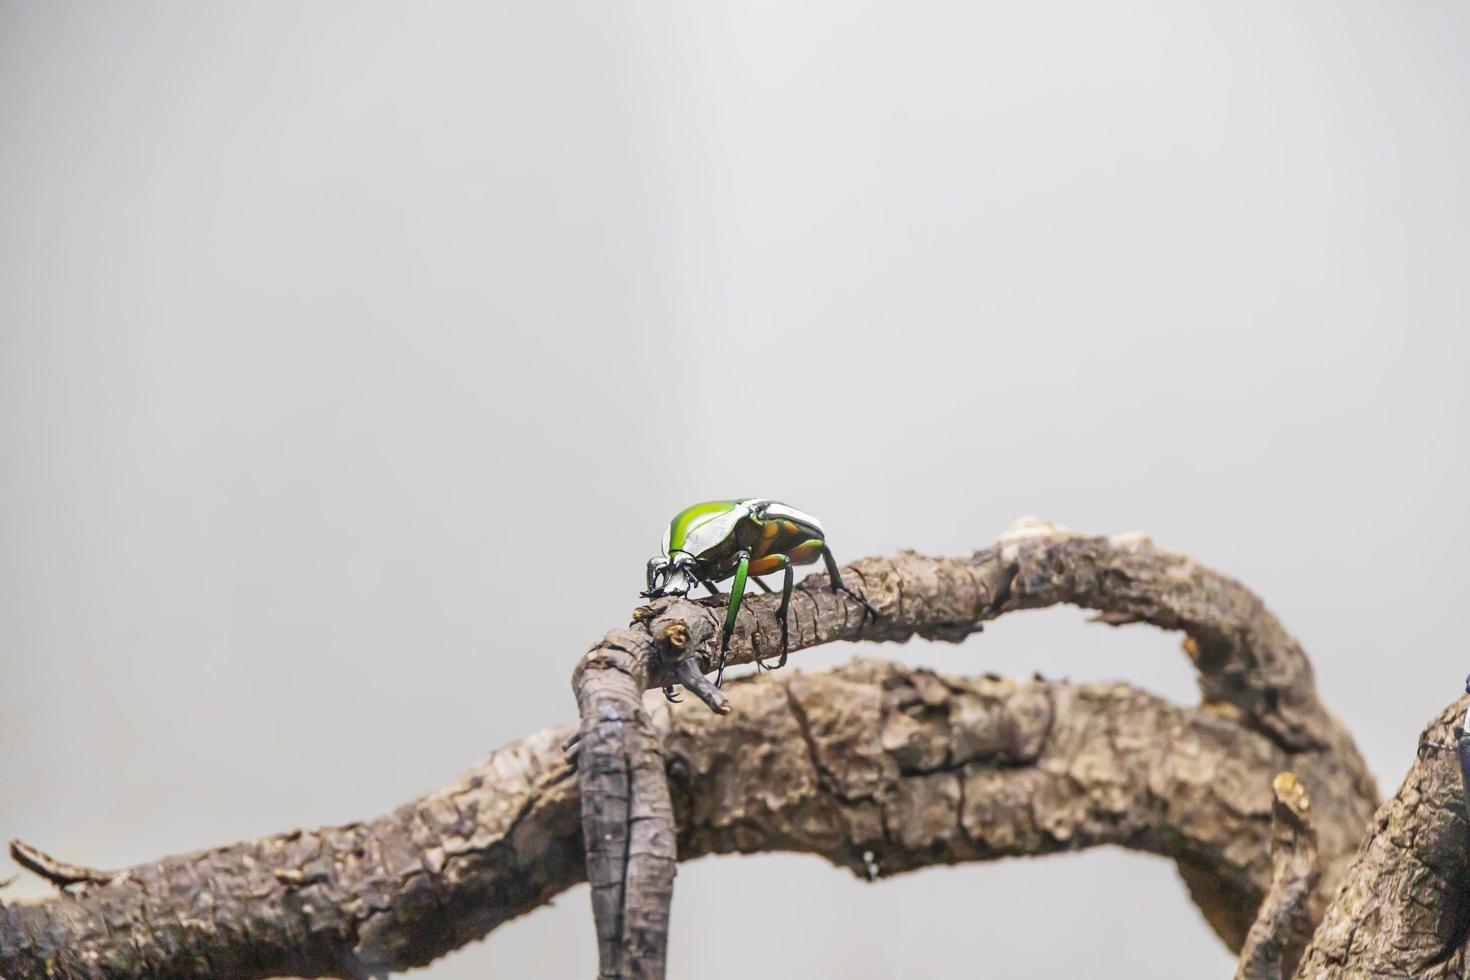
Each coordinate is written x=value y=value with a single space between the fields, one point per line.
x=627 y=817
x=1283 y=923
x=1404 y=908
x=1250 y=670
x=878 y=768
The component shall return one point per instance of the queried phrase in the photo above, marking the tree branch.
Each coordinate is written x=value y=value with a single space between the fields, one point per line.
x=1283 y=923
x=1404 y=906
x=878 y=768
x=1249 y=668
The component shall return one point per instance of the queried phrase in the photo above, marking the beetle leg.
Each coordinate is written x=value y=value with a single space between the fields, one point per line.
x=781 y=612
x=764 y=587
x=837 y=585
x=737 y=592
x=772 y=563
x=761 y=566
x=670 y=696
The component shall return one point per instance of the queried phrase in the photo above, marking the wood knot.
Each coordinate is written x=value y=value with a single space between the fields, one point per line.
x=678 y=635
x=1292 y=795
x=1223 y=710
x=297 y=878
x=1191 y=647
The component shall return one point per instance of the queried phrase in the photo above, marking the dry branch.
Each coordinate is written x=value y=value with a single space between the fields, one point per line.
x=1404 y=907
x=1249 y=668
x=59 y=873
x=1283 y=924
x=877 y=768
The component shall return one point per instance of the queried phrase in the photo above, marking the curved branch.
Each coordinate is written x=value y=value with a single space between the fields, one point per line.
x=1248 y=664
x=1404 y=906
x=878 y=768
x=1250 y=670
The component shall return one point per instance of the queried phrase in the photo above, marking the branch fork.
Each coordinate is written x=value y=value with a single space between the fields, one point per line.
x=878 y=768
x=1249 y=669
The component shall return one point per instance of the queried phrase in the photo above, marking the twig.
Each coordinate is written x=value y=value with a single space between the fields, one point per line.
x=59 y=873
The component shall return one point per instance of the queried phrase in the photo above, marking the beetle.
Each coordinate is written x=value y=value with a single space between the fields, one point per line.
x=743 y=539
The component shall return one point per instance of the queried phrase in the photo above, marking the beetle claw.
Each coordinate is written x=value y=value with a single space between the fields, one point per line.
x=781 y=661
x=762 y=665
x=670 y=696
x=867 y=609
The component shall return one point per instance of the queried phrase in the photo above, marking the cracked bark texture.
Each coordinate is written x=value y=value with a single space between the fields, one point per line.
x=1250 y=671
x=1404 y=908
x=878 y=768
x=1283 y=923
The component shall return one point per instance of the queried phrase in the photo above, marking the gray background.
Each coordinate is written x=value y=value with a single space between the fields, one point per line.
x=339 y=343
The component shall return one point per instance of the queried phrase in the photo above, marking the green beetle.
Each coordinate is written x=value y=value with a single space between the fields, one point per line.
x=713 y=541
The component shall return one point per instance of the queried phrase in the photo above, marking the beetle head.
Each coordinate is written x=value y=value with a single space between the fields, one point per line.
x=672 y=575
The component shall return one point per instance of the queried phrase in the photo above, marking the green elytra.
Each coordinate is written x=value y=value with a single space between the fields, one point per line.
x=740 y=539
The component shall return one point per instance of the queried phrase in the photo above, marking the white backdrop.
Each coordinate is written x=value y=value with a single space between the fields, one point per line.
x=340 y=343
